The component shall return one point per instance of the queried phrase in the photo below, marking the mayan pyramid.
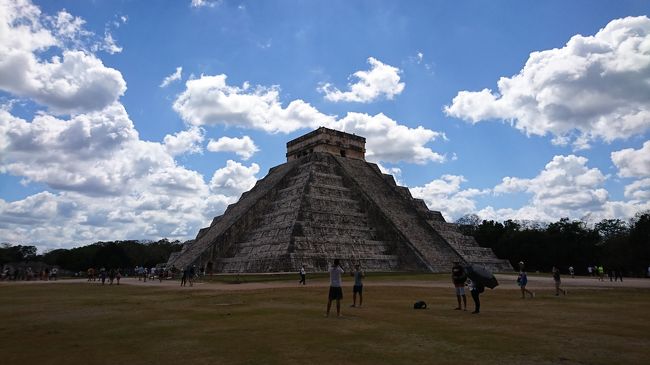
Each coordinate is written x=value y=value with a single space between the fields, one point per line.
x=327 y=202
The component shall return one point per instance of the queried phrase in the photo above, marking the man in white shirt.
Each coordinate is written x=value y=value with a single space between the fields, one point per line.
x=336 y=293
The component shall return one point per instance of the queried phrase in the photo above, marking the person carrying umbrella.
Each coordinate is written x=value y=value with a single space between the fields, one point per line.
x=479 y=278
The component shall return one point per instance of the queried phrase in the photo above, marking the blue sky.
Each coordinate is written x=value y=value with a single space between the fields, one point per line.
x=143 y=120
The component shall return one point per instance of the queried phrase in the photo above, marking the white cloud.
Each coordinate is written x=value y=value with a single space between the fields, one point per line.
x=633 y=163
x=244 y=147
x=234 y=178
x=595 y=87
x=638 y=190
x=205 y=3
x=188 y=141
x=108 y=183
x=210 y=101
x=380 y=80
x=565 y=188
x=75 y=82
x=173 y=77
x=109 y=45
x=420 y=57
x=565 y=184
x=388 y=141
x=445 y=195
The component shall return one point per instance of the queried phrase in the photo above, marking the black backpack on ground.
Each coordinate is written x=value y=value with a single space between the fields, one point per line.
x=420 y=305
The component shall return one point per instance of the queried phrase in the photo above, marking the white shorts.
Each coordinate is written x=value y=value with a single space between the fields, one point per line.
x=460 y=290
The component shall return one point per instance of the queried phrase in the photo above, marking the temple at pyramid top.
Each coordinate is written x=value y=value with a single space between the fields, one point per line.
x=328 y=141
x=325 y=203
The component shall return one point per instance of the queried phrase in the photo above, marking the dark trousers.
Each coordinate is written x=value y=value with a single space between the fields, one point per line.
x=302 y=279
x=477 y=301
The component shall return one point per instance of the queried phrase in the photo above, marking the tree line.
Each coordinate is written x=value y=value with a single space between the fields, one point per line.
x=110 y=254
x=614 y=243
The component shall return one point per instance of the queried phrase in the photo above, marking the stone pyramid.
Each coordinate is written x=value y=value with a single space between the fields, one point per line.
x=327 y=202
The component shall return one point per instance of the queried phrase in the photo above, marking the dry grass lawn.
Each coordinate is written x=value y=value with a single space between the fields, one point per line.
x=81 y=323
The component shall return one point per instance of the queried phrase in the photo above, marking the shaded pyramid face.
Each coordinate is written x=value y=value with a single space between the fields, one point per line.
x=321 y=207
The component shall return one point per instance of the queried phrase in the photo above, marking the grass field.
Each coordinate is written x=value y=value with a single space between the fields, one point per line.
x=81 y=323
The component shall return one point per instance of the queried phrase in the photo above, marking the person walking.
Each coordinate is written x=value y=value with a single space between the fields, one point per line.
x=601 y=273
x=556 y=279
x=618 y=274
x=184 y=276
x=458 y=278
x=335 y=293
x=190 y=276
x=571 y=272
x=118 y=276
x=102 y=275
x=303 y=275
x=522 y=281
x=358 y=285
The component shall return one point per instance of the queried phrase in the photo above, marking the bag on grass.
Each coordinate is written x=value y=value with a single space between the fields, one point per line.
x=420 y=305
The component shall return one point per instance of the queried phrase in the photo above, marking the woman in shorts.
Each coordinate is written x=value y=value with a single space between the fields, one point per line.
x=336 y=293
x=522 y=280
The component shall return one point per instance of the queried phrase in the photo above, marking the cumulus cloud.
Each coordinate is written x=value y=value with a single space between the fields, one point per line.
x=208 y=100
x=188 y=141
x=566 y=187
x=108 y=184
x=234 y=178
x=445 y=195
x=631 y=162
x=243 y=147
x=74 y=82
x=173 y=77
x=595 y=87
x=381 y=80
x=638 y=190
x=388 y=141
x=566 y=183
x=104 y=182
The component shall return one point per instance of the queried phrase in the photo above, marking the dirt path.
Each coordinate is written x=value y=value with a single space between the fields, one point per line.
x=506 y=281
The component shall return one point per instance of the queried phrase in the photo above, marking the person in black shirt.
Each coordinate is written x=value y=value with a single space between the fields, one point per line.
x=458 y=277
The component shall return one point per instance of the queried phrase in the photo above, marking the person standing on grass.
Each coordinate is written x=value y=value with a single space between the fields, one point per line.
x=358 y=285
x=303 y=275
x=336 y=293
x=118 y=276
x=190 y=276
x=458 y=278
x=111 y=276
x=522 y=281
x=102 y=275
x=475 y=290
x=184 y=276
x=556 y=279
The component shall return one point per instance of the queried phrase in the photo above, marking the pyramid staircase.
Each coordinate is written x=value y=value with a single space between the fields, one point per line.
x=319 y=207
